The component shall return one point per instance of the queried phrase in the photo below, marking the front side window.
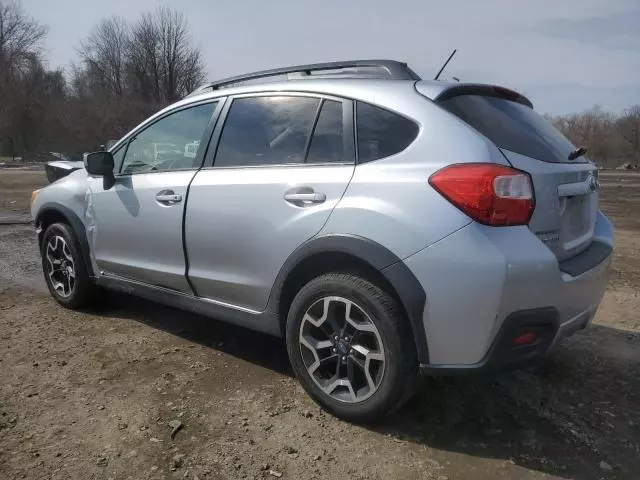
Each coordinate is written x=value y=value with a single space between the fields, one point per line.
x=118 y=156
x=171 y=143
x=382 y=133
x=269 y=130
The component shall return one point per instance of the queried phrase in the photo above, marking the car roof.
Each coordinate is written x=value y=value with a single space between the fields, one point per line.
x=345 y=78
x=370 y=90
x=374 y=91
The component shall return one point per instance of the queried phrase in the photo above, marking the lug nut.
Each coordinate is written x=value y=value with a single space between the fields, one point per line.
x=344 y=359
x=336 y=338
x=334 y=350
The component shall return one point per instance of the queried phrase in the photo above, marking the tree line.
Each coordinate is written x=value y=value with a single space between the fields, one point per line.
x=127 y=70
x=612 y=140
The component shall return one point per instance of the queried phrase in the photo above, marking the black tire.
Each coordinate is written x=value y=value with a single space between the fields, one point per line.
x=400 y=376
x=83 y=288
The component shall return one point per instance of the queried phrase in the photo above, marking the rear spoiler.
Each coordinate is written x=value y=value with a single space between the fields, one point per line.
x=61 y=168
x=484 y=90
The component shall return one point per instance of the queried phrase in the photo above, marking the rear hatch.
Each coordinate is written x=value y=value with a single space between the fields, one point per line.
x=566 y=191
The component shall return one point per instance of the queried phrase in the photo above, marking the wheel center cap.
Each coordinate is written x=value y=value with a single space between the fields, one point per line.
x=343 y=347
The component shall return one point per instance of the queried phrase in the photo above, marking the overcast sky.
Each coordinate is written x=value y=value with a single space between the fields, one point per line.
x=566 y=55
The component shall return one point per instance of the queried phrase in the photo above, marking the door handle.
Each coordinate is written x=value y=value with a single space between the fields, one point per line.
x=168 y=197
x=305 y=198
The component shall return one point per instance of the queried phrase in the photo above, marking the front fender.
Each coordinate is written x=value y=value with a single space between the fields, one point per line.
x=54 y=212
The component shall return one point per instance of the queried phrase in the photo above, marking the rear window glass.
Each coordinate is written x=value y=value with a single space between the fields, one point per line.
x=381 y=133
x=511 y=126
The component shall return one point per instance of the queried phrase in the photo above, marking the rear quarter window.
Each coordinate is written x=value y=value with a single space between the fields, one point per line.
x=512 y=126
x=381 y=133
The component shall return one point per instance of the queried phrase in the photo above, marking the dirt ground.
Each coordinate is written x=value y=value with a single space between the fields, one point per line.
x=96 y=395
x=16 y=186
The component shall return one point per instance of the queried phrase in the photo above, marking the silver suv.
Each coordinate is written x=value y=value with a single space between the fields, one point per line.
x=382 y=224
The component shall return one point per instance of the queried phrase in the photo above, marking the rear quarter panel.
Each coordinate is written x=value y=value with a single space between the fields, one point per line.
x=390 y=200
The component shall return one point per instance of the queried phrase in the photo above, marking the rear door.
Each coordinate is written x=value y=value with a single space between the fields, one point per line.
x=566 y=192
x=283 y=162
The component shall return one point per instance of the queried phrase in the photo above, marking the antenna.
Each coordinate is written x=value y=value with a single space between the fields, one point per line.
x=445 y=63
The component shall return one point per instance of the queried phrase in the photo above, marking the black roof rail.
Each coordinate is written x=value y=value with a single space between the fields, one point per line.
x=394 y=69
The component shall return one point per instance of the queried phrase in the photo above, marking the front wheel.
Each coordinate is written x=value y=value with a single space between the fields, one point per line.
x=350 y=347
x=64 y=269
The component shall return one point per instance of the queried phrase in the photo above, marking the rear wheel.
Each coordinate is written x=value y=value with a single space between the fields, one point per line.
x=64 y=268
x=350 y=348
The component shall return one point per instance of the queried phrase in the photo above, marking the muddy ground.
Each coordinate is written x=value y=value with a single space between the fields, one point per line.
x=96 y=395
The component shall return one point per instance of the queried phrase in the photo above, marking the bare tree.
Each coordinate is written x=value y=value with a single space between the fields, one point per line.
x=125 y=73
x=20 y=37
x=154 y=60
x=164 y=63
x=105 y=52
x=628 y=125
x=594 y=129
x=144 y=62
x=20 y=68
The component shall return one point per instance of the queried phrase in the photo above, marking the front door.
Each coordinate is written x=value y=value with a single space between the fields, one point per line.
x=136 y=225
x=282 y=164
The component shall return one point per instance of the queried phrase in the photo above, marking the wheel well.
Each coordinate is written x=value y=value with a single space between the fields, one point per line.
x=327 y=262
x=49 y=217
x=60 y=214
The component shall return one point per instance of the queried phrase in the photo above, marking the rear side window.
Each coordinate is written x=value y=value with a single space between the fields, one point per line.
x=381 y=133
x=270 y=130
x=327 y=143
x=511 y=126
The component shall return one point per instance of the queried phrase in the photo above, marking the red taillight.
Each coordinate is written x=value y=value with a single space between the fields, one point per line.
x=491 y=194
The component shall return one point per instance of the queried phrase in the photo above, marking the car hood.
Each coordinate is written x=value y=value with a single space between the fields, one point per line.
x=61 y=168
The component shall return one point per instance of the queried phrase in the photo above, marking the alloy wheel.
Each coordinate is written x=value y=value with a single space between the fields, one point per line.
x=61 y=268
x=342 y=349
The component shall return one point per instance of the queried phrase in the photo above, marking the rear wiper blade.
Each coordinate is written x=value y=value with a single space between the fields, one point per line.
x=578 y=152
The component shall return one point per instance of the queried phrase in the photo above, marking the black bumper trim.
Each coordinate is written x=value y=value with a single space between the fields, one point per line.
x=585 y=261
x=502 y=354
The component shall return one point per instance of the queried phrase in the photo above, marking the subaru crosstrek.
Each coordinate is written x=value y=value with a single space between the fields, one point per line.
x=382 y=224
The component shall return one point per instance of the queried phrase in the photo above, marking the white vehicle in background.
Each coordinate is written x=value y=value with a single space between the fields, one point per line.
x=161 y=150
x=190 y=149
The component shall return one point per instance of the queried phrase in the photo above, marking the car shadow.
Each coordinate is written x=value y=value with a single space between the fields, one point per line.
x=578 y=408
x=565 y=417
x=254 y=347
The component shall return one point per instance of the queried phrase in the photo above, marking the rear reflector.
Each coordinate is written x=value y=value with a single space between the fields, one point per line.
x=489 y=193
x=526 y=338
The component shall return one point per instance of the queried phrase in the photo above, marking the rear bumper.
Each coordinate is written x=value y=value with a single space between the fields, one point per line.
x=544 y=322
x=483 y=284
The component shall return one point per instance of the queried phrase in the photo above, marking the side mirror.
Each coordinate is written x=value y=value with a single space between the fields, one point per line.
x=101 y=164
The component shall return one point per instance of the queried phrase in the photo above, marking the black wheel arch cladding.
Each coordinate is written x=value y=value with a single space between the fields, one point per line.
x=66 y=215
x=407 y=288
